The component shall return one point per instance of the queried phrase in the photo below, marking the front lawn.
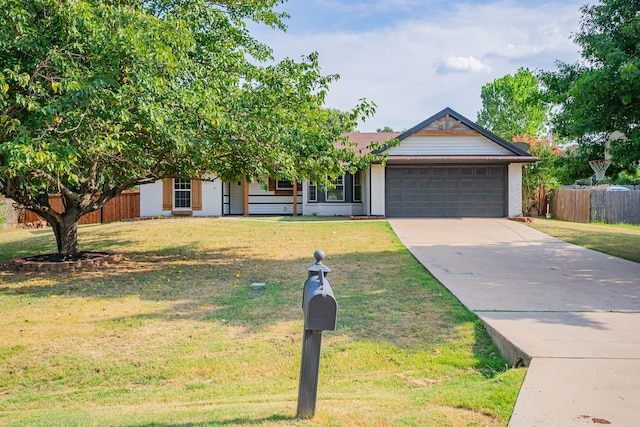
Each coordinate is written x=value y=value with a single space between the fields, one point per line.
x=619 y=240
x=176 y=335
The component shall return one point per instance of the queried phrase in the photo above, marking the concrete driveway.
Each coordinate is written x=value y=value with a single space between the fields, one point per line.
x=571 y=314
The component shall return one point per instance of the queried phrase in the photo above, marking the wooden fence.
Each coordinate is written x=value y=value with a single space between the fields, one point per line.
x=571 y=205
x=123 y=206
x=595 y=205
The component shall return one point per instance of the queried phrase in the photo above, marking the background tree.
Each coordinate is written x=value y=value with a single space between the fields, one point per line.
x=385 y=129
x=539 y=177
x=573 y=165
x=513 y=109
x=98 y=96
x=512 y=105
x=601 y=93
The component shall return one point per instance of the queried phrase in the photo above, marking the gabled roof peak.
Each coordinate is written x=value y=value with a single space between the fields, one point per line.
x=450 y=122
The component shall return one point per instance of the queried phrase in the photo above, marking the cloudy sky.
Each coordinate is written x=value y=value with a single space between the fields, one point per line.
x=415 y=57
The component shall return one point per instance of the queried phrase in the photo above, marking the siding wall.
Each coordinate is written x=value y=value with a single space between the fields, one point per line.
x=332 y=209
x=151 y=199
x=514 y=191
x=377 y=190
x=447 y=146
x=261 y=201
x=347 y=208
x=366 y=192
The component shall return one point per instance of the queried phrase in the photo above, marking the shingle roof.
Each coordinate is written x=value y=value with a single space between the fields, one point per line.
x=363 y=139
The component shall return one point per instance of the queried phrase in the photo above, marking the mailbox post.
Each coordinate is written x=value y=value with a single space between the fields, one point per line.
x=320 y=311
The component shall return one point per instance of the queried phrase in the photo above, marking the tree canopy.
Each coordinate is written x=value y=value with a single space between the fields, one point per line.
x=600 y=94
x=539 y=177
x=512 y=105
x=98 y=96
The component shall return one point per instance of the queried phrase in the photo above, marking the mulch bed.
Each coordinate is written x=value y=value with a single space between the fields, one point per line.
x=521 y=218
x=58 y=263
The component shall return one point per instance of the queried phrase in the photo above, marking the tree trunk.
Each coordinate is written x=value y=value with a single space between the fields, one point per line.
x=66 y=232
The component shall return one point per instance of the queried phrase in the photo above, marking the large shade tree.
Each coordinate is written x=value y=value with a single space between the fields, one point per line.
x=600 y=94
x=98 y=96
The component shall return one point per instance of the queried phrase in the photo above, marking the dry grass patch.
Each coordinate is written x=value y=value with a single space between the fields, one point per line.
x=174 y=335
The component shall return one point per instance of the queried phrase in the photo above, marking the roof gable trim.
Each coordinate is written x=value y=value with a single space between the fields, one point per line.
x=449 y=122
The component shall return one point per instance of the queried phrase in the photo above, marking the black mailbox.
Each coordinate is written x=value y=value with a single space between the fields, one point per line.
x=318 y=304
x=320 y=310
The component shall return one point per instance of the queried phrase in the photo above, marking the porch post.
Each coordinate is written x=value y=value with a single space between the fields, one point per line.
x=245 y=185
x=295 y=197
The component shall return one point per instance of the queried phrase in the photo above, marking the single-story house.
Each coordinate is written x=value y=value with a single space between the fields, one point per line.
x=445 y=166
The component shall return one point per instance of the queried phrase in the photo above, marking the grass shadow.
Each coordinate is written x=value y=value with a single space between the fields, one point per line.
x=375 y=303
x=244 y=421
x=42 y=241
x=621 y=240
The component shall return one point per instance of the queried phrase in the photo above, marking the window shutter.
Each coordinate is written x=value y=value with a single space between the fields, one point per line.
x=167 y=194
x=272 y=184
x=196 y=194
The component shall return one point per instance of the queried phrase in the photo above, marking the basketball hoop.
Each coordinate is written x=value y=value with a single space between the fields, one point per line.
x=599 y=167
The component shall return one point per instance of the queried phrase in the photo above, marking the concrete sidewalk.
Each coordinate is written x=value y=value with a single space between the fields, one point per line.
x=571 y=314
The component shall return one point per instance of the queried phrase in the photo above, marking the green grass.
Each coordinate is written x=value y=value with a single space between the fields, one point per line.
x=620 y=240
x=173 y=336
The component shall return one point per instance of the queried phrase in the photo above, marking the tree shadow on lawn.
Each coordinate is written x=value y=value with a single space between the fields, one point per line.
x=382 y=296
x=245 y=421
x=613 y=242
x=45 y=240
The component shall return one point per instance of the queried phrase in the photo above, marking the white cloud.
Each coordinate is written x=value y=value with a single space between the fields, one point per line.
x=367 y=6
x=413 y=68
x=460 y=64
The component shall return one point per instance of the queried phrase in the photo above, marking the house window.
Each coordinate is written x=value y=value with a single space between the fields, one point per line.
x=181 y=194
x=337 y=193
x=283 y=184
x=281 y=187
x=357 y=187
x=312 y=193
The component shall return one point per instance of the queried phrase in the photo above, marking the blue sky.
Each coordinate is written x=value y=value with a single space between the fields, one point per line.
x=416 y=57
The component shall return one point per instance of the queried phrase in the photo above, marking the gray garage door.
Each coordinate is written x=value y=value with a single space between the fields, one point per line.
x=445 y=191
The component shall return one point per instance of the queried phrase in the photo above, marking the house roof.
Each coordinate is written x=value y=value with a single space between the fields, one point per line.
x=364 y=139
x=468 y=123
x=453 y=124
